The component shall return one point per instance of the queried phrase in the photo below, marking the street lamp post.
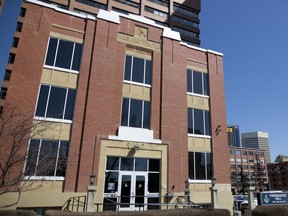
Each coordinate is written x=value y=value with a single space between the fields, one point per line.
x=90 y=193
x=214 y=195
x=250 y=191
x=187 y=192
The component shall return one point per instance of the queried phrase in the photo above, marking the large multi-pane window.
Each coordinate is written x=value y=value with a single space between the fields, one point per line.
x=138 y=70
x=198 y=122
x=197 y=82
x=129 y=3
x=135 y=113
x=55 y=102
x=200 y=166
x=63 y=54
x=155 y=11
x=46 y=158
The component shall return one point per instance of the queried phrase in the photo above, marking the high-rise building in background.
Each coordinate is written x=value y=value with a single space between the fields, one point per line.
x=278 y=175
x=181 y=16
x=1 y=6
x=125 y=99
x=234 y=139
x=258 y=140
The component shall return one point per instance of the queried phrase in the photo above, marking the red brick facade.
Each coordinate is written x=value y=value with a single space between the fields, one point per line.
x=97 y=111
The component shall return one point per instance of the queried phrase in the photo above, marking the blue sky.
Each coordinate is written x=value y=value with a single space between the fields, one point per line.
x=253 y=36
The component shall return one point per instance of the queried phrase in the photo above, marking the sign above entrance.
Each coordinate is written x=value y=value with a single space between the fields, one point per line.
x=274 y=198
x=140 y=39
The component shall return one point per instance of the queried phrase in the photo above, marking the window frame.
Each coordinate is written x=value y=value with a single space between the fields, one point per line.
x=142 y=113
x=195 y=180
x=191 y=71
x=56 y=54
x=35 y=177
x=204 y=123
x=132 y=71
x=45 y=118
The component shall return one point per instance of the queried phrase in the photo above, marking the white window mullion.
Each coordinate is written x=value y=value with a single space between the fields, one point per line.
x=131 y=72
x=204 y=126
x=202 y=81
x=65 y=103
x=142 y=115
x=205 y=166
x=144 y=74
x=193 y=118
x=57 y=157
x=47 y=102
x=194 y=155
x=192 y=81
x=56 y=52
x=72 y=58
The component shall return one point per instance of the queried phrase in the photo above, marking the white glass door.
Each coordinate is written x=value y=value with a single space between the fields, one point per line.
x=133 y=191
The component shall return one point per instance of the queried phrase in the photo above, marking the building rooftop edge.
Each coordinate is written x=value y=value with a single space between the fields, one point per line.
x=114 y=17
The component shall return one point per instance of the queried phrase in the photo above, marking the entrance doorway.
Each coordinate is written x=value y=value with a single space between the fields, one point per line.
x=133 y=191
x=131 y=184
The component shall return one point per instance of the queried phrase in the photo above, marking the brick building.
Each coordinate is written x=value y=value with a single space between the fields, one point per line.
x=242 y=165
x=133 y=104
x=278 y=175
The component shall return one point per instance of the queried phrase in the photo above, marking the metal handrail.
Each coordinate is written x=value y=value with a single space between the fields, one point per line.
x=176 y=204
x=75 y=202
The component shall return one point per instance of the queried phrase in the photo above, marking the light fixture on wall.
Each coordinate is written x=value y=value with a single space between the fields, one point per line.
x=136 y=147
x=92 y=178
x=213 y=181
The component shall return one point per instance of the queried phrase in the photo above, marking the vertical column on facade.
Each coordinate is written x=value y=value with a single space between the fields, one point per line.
x=76 y=142
x=221 y=169
x=174 y=113
x=104 y=97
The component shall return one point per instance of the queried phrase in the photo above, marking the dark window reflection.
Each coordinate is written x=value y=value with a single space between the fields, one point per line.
x=112 y=163
x=189 y=80
x=51 y=52
x=60 y=101
x=126 y=164
x=127 y=75
x=154 y=165
x=140 y=164
x=148 y=73
x=190 y=121
x=56 y=103
x=32 y=157
x=42 y=101
x=138 y=70
x=206 y=84
x=47 y=158
x=64 y=54
x=135 y=114
x=70 y=104
x=209 y=165
x=198 y=121
x=207 y=123
x=200 y=165
x=62 y=158
x=153 y=183
x=77 y=57
x=191 y=165
x=197 y=82
x=125 y=108
x=146 y=123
